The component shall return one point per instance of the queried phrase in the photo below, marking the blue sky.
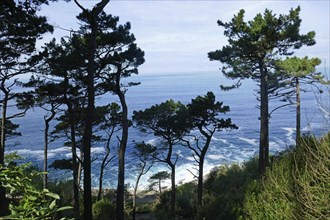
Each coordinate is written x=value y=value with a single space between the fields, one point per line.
x=177 y=35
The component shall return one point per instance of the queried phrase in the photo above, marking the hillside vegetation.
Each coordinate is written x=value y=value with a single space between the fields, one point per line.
x=295 y=186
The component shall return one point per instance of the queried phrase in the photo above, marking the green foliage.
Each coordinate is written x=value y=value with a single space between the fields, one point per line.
x=27 y=202
x=103 y=209
x=224 y=190
x=297 y=186
x=300 y=67
x=203 y=113
x=64 y=190
x=164 y=120
x=261 y=39
x=37 y=205
x=312 y=178
x=272 y=197
x=186 y=201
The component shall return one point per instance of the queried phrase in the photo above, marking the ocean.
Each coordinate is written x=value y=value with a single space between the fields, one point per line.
x=227 y=147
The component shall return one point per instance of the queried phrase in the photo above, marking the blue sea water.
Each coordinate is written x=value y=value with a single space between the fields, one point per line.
x=227 y=147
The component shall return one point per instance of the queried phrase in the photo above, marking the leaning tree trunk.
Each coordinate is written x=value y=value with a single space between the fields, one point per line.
x=103 y=165
x=122 y=149
x=298 y=128
x=264 y=122
x=135 y=190
x=47 y=121
x=201 y=167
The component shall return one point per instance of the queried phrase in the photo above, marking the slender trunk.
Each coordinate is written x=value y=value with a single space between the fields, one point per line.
x=81 y=158
x=3 y=126
x=121 y=155
x=136 y=188
x=200 y=182
x=46 y=154
x=264 y=122
x=201 y=165
x=47 y=121
x=76 y=200
x=173 y=193
x=3 y=200
x=75 y=185
x=87 y=136
x=103 y=164
x=298 y=112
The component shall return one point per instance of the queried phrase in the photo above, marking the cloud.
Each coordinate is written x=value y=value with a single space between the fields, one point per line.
x=177 y=35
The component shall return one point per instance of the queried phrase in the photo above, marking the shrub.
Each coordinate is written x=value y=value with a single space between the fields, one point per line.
x=297 y=186
x=27 y=201
x=103 y=209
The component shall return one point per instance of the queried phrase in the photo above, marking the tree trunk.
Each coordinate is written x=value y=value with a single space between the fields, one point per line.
x=201 y=166
x=121 y=155
x=264 y=122
x=76 y=200
x=75 y=185
x=46 y=154
x=135 y=189
x=200 y=182
x=173 y=193
x=103 y=164
x=3 y=126
x=87 y=136
x=47 y=121
x=298 y=111
x=3 y=200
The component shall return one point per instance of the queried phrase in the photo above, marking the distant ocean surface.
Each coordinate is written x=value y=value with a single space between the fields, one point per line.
x=227 y=147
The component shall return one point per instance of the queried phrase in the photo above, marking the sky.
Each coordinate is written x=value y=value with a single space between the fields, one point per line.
x=177 y=35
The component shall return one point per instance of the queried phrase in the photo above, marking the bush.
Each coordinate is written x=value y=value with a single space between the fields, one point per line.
x=272 y=197
x=312 y=178
x=27 y=201
x=103 y=210
x=224 y=191
x=297 y=186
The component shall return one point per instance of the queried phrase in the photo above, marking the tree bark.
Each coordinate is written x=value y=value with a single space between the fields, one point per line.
x=122 y=149
x=135 y=189
x=47 y=121
x=75 y=166
x=87 y=136
x=173 y=193
x=3 y=199
x=103 y=165
x=3 y=125
x=46 y=154
x=298 y=128
x=264 y=122
x=200 y=181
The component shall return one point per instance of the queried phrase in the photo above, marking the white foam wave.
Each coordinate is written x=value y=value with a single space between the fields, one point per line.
x=251 y=141
x=215 y=156
x=39 y=154
x=290 y=131
x=97 y=150
x=215 y=139
x=223 y=141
